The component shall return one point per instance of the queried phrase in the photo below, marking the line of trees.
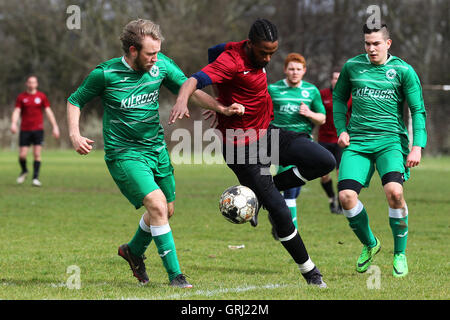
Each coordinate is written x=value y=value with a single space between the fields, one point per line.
x=36 y=40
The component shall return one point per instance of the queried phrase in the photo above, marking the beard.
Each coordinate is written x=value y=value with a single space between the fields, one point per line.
x=141 y=66
x=256 y=63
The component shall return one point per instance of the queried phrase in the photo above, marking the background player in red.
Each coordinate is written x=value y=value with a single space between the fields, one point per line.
x=240 y=75
x=328 y=139
x=29 y=108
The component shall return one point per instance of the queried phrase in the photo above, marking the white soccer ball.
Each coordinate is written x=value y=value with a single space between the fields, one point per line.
x=238 y=204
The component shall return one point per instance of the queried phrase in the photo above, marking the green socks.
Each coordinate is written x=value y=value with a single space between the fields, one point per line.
x=166 y=249
x=292 y=205
x=141 y=239
x=359 y=222
x=398 y=220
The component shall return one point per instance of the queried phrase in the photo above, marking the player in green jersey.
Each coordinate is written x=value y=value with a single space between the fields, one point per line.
x=297 y=106
x=135 y=151
x=376 y=137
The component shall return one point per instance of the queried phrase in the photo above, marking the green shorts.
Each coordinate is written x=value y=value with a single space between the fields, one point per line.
x=138 y=176
x=360 y=166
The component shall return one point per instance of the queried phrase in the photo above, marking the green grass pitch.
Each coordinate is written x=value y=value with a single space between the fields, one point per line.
x=80 y=218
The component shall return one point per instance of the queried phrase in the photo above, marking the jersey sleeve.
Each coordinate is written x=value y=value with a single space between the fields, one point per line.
x=317 y=104
x=222 y=69
x=174 y=78
x=19 y=101
x=92 y=86
x=412 y=90
x=341 y=92
x=45 y=102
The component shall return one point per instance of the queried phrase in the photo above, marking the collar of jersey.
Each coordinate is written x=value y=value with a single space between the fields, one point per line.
x=287 y=85
x=126 y=64
x=387 y=60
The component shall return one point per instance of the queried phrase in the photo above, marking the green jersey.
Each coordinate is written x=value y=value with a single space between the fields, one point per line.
x=130 y=99
x=286 y=105
x=378 y=93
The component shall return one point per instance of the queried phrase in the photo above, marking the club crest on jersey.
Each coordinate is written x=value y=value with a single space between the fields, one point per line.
x=391 y=73
x=37 y=100
x=305 y=93
x=154 y=71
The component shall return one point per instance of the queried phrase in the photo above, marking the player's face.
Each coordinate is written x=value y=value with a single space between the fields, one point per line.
x=294 y=72
x=31 y=84
x=334 y=79
x=377 y=47
x=145 y=58
x=262 y=52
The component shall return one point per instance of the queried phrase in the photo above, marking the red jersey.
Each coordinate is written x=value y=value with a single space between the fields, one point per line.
x=327 y=131
x=31 y=106
x=238 y=81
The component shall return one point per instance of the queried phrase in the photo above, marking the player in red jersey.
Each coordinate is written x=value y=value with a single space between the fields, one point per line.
x=29 y=107
x=328 y=139
x=250 y=143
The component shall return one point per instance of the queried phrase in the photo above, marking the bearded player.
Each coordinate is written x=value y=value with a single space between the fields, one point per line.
x=376 y=137
x=240 y=76
x=135 y=152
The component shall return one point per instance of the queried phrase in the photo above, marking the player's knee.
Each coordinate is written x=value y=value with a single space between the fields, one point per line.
x=348 y=198
x=394 y=196
x=156 y=206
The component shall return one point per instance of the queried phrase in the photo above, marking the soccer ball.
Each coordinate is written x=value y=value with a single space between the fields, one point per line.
x=238 y=204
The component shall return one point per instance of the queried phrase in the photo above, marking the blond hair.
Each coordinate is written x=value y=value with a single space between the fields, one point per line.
x=136 y=30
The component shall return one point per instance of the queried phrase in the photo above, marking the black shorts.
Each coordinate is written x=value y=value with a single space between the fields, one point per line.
x=26 y=138
x=335 y=150
x=289 y=148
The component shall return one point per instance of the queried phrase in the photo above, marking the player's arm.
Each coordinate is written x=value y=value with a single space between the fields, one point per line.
x=15 y=119
x=413 y=93
x=51 y=117
x=220 y=70
x=91 y=87
x=317 y=112
x=81 y=144
x=341 y=92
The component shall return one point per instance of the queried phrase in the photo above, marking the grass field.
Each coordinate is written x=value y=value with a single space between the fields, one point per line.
x=80 y=218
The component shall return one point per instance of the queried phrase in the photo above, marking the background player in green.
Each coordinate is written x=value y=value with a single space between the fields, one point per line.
x=135 y=151
x=376 y=136
x=297 y=106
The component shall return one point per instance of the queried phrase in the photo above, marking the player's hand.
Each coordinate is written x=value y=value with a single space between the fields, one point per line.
x=414 y=157
x=55 y=133
x=304 y=110
x=344 y=140
x=235 y=108
x=82 y=145
x=210 y=114
x=179 y=111
x=13 y=128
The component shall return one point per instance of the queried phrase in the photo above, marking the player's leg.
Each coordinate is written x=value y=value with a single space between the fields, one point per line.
x=356 y=169
x=273 y=201
x=290 y=197
x=327 y=182
x=390 y=165
x=24 y=144
x=310 y=159
x=37 y=150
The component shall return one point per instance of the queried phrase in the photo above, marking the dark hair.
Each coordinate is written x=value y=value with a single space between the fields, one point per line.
x=383 y=28
x=263 y=30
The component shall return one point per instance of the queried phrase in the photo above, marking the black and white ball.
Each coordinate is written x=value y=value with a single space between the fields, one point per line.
x=238 y=204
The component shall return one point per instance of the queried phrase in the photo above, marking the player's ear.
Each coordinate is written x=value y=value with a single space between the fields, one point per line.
x=388 y=43
x=133 y=52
